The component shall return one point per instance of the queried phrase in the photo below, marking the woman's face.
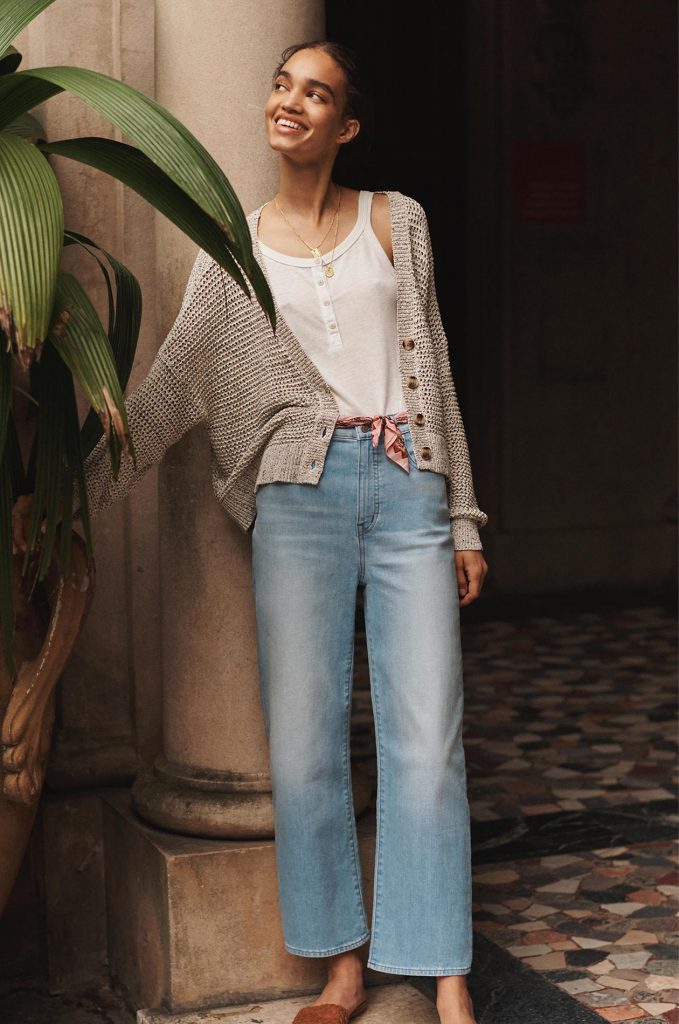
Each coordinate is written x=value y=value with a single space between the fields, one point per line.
x=310 y=92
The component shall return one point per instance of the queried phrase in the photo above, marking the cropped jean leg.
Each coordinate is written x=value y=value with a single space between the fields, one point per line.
x=305 y=575
x=366 y=522
x=422 y=923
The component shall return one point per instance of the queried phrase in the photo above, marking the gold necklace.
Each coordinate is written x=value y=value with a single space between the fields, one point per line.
x=316 y=249
x=328 y=266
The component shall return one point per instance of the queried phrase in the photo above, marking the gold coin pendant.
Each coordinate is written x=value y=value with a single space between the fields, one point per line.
x=329 y=271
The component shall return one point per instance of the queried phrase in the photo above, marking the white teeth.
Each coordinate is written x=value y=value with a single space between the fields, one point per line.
x=290 y=124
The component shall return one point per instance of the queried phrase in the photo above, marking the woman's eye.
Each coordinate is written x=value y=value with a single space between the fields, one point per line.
x=281 y=85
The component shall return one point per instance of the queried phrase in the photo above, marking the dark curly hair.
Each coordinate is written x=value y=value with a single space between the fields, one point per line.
x=343 y=56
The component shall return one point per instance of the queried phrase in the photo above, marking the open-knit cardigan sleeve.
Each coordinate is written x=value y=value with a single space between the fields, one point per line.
x=160 y=410
x=465 y=515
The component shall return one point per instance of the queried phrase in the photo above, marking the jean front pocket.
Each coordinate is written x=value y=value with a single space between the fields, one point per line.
x=408 y=441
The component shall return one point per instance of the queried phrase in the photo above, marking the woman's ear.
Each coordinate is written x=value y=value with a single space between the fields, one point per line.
x=351 y=129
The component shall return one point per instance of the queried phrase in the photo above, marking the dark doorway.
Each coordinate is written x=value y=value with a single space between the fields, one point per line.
x=414 y=138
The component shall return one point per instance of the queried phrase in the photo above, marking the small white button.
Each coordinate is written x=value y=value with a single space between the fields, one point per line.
x=321 y=281
x=326 y=302
x=333 y=327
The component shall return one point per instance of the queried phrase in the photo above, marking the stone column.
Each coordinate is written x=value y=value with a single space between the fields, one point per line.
x=193 y=917
x=214 y=62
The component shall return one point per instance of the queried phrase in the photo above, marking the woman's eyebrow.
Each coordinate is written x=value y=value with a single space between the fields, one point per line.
x=312 y=81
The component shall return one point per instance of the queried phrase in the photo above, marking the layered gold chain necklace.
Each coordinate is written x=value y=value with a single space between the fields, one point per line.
x=316 y=249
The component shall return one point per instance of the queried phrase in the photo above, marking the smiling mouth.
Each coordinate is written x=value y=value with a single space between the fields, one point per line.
x=283 y=122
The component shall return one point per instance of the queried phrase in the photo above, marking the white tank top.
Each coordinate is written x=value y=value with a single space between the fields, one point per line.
x=345 y=323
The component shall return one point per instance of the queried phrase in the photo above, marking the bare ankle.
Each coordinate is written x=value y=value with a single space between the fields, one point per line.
x=346 y=968
x=452 y=987
x=453 y=1000
x=347 y=964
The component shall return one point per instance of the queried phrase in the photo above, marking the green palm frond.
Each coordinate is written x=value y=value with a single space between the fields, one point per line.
x=124 y=324
x=58 y=456
x=9 y=60
x=15 y=15
x=31 y=234
x=26 y=127
x=163 y=138
x=79 y=337
x=137 y=171
x=7 y=469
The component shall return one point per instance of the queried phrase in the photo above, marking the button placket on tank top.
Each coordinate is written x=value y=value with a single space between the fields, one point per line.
x=346 y=323
x=324 y=296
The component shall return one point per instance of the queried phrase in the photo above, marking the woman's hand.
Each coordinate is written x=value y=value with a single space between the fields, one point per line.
x=470 y=569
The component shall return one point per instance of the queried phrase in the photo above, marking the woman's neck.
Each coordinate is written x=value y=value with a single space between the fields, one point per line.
x=308 y=193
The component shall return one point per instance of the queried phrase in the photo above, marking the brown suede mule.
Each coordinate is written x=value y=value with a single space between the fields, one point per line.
x=327 y=1013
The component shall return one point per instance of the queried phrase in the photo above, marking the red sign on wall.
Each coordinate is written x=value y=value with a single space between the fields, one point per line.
x=548 y=182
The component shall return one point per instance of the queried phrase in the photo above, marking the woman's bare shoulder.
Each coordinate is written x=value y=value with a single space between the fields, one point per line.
x=380 y=218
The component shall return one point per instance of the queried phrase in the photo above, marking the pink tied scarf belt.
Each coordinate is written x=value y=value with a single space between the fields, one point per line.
x=394 y=443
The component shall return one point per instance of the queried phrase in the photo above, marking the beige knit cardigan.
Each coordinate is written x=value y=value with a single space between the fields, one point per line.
x=269 y=413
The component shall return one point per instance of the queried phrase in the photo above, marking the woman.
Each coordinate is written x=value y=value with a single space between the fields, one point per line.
x=307 y=560
x=352 y=395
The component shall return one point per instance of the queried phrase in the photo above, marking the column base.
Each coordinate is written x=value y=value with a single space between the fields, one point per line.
x=194 y=923
x=218 y=805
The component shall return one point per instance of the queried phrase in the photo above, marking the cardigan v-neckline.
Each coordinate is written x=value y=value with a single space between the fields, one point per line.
x=283 y=329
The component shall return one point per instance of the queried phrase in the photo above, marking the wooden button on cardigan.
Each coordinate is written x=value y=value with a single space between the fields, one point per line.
x=268 y=411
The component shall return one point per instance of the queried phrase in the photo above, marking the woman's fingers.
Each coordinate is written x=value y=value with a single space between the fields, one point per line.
x=471 y=568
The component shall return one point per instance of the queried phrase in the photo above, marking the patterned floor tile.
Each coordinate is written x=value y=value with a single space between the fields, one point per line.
x=570 y=733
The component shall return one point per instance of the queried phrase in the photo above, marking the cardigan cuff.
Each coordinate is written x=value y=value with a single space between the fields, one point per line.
x=465 y=534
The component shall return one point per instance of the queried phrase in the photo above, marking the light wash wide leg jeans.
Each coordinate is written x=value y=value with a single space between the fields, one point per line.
x=366 y=523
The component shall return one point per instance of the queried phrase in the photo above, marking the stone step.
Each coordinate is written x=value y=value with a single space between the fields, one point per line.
x=397 y=1003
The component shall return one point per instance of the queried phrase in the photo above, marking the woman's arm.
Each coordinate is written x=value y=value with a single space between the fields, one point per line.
x=160 y=411
x=465 y=515
x=165 y=405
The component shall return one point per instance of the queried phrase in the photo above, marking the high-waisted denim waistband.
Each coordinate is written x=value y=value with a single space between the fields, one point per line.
x=373 y=426
x=361 y=431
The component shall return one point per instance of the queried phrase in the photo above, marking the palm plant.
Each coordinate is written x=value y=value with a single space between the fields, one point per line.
x=48 y=325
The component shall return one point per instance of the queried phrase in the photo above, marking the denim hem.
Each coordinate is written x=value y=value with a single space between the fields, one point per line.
x=328 y=952
x=418 y=971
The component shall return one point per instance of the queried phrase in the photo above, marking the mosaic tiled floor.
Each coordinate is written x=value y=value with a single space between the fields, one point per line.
x=601 y=924
x=570 y=732
x=570 y=714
